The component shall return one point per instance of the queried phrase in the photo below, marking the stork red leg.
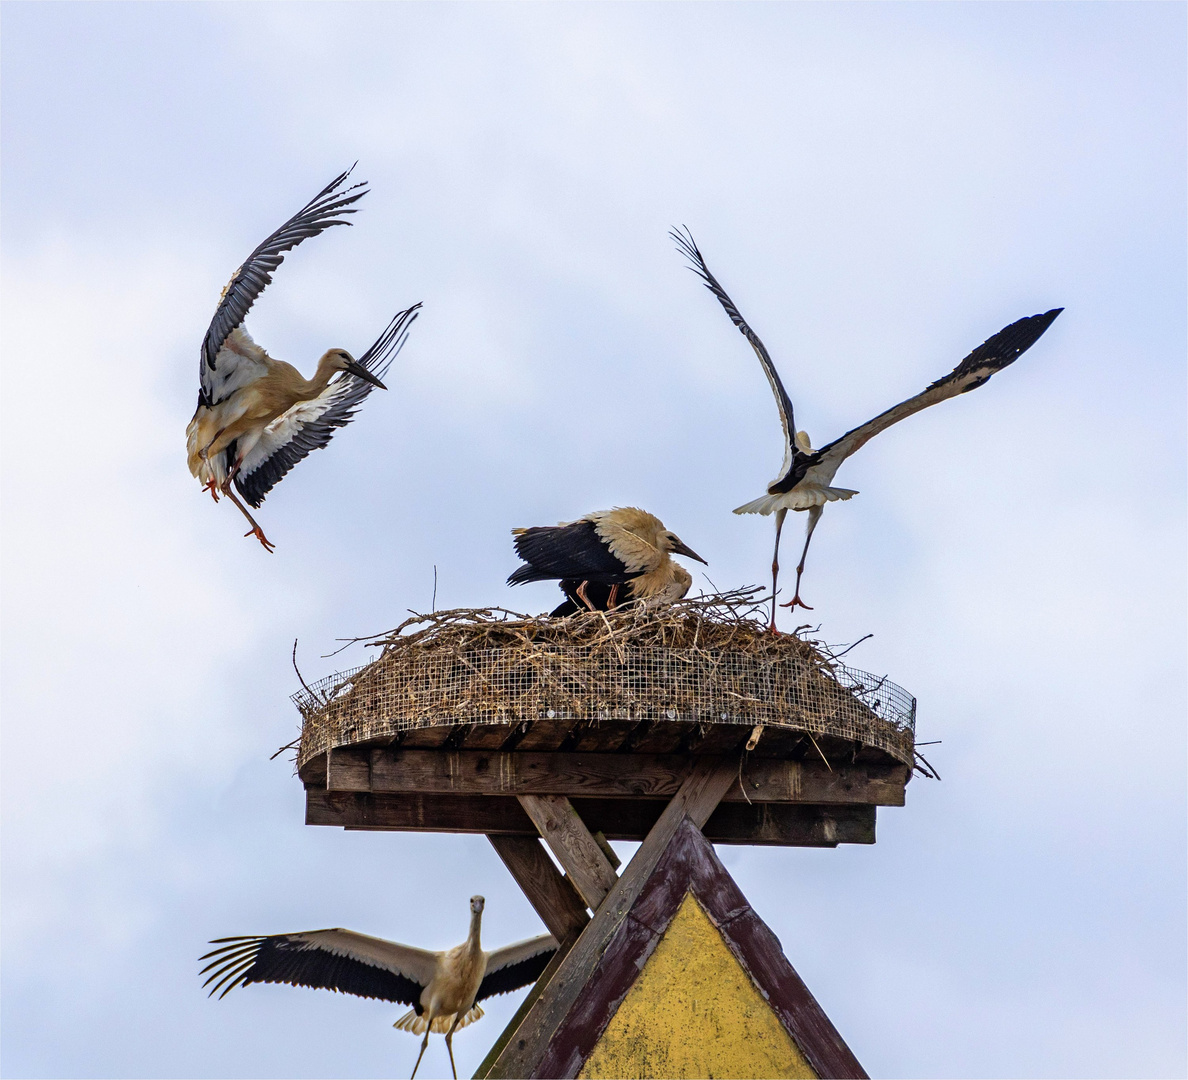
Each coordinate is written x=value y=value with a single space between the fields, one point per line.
x=613 y=600
x=814 y=516
x=775 y=564
x=581 y=592
x=255 y=530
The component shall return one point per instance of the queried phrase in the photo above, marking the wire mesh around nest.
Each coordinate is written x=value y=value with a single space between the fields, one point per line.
x=704 y=660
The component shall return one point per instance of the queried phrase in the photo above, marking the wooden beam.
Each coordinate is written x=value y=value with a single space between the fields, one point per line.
x=474 y=772
x=774 y=824
x=526 y=1005
x=697 y=799
x=567 y=836
x=554 y=898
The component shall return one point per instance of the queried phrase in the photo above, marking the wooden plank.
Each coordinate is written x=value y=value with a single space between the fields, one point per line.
x=569 y=839
x=791 y=825
x=546 y=733
x=529 y=1001
x=699 y=795
x=552 y=895
x=348 y=769
x=722 y=739
x=663 y=737
x=604 y=775
x=417 y=813
x=604 y=736
x=520 y=772
x=488 y=736
x=428 y=738
x=775 y=824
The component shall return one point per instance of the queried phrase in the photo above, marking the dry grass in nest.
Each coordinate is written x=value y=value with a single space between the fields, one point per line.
x=708 y=659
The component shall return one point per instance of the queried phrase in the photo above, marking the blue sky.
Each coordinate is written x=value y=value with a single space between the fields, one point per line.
x=880 y=187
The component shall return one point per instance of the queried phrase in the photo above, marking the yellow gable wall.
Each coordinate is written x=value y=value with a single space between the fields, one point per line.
x=694 y=1012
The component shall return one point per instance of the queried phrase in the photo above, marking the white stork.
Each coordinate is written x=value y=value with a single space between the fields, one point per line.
x=443 y=988
x=806 y=476
x=601 y=553
x=257 y=417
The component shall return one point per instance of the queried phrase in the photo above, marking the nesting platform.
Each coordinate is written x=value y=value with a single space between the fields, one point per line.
x=678 y=728
x=463 y=712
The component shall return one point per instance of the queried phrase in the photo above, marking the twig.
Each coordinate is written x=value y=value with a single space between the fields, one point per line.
x=928 y=770
x=823 y=757
x=294 y=745
x=838 y=656
x=316 y=697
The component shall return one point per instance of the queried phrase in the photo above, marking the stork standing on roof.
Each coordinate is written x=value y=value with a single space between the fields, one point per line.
x=443 y=988
x=806 y=476
x=600 y=554
x=257 y=417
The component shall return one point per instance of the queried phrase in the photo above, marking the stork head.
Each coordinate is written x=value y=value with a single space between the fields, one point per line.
x=802 y=442
x=341 y=360
x=672 y=543
x=476 y=905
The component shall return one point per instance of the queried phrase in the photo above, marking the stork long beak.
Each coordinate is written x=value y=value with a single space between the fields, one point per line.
x=360 y=372
x=681 y=548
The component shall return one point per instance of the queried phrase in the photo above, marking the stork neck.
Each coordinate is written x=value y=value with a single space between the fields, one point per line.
x=472 y=939
x=322 y=376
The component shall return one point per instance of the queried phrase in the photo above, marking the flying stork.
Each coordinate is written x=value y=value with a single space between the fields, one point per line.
x=443 y=988
x=806 y=475
x=601 y=553
x=256 y=416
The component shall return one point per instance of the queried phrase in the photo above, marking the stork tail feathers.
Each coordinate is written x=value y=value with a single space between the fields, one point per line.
x=798 y=499
x=417 y=1024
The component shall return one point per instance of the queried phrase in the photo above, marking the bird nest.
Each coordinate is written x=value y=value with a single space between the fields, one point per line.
x=706 y=660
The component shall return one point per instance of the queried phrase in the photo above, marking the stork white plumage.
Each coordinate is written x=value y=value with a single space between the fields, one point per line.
x=806 y=475
x=256 y=416
x=443 y=988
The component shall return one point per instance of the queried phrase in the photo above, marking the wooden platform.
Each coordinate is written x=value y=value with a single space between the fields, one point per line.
x=789 y=790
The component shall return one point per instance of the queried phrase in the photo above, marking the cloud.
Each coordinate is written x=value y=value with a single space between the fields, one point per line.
x=880 y=188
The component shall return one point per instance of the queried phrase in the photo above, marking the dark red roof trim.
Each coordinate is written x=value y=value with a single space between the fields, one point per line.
x=690 y=864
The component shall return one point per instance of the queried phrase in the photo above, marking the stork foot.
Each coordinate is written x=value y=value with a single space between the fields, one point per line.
x=212 y=486
x=796 y=602
x=258 y=533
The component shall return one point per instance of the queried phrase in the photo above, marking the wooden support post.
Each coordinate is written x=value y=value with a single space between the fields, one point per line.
x=576 y=850
x=558 y=905
x=697 y=798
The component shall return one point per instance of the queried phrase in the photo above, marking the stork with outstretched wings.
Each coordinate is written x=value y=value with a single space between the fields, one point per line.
x=806 y=476
x=443 y=988
x=257 y=416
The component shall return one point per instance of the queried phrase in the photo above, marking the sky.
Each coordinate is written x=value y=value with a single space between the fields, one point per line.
x=879 y=187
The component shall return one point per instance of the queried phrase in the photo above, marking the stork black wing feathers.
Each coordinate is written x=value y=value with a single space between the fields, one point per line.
x=283 y=959
x=513 y=976
x=796 y=462
x=320 y=213
x=995 y=353
x=1001 y=349
x=689 y=249
x=566 y=551
x=254 y=485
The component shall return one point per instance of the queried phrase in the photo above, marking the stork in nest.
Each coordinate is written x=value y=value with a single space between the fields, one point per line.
x=604 y=559
x=257 y=416
x=443 y=988
x=806 y=475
